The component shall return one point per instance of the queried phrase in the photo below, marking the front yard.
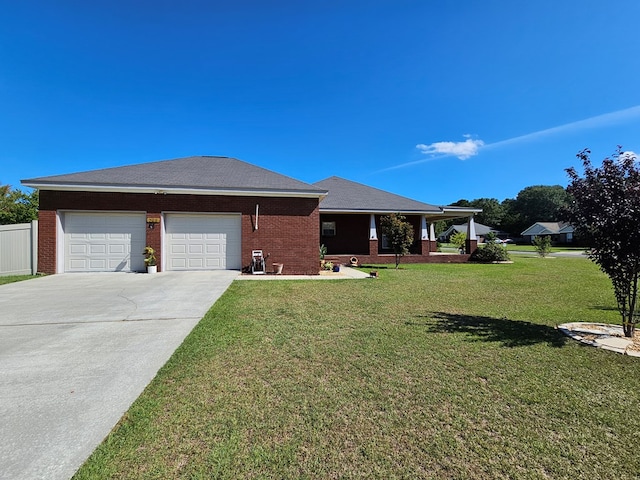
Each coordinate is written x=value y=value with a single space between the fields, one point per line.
x=432 y=371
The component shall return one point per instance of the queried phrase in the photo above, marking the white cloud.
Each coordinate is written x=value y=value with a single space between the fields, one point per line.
x=462 y=150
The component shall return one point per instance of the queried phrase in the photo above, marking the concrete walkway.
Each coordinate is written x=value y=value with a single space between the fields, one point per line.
x=345 y=273
x=76 y=350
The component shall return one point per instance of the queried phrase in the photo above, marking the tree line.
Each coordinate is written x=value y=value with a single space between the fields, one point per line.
x=17 y=206
x=538 y=203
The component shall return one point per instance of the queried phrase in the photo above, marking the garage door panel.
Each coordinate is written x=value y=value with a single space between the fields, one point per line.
x=98 y=264
x=178 y=249
x=104 y=241
x=118 y=249
x=199 y=242
x=195 y=249
x=78 y=264
x=214 y=263
x=214 y=249
x=178 y=264
x=98 y=248
x=195 y=263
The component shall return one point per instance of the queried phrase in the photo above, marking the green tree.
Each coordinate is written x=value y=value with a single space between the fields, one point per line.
x=540 y=203
x=459 y=239
x=605 y=207
x=399 y=232
x=512 y=220
x=492 y=211
x=542 y=244
x=17 y=206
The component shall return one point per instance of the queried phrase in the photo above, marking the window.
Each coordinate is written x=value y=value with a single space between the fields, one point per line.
x=385 y=243
x=328 y=229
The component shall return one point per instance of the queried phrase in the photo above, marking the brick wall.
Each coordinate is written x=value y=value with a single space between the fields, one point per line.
x=288 y=228
x=47 y=235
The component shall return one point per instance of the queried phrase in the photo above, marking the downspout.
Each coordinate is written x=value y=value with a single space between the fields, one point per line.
x=256 y=226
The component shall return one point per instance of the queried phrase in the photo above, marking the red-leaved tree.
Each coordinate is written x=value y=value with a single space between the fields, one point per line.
x=605 y=208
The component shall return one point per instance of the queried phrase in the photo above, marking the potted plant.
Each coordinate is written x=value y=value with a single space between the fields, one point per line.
x=150 y=259
x=323 y=252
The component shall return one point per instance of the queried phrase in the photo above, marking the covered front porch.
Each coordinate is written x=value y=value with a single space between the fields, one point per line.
x=356 y=238
x=350 y=225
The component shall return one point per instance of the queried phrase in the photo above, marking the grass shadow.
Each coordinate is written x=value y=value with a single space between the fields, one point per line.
x=510 y=333
x=604 y=308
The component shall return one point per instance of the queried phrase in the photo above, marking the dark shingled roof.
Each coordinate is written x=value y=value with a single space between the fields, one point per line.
x=202 y=172
x=347 y=196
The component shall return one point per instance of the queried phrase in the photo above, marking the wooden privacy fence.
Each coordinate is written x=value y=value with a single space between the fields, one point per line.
x=19 y=249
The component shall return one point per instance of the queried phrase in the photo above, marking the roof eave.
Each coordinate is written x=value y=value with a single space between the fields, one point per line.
x=379 y=211
x=462 y=210
x=173 y=190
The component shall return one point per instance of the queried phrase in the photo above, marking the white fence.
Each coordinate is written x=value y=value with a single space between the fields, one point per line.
x=19 y=249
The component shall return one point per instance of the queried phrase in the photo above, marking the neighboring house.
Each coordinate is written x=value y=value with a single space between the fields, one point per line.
x=206 y=213
x=350 y=223
x=481 y=231
x=560 y=232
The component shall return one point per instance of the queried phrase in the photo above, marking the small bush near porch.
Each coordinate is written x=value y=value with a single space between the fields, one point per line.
x=433 y=371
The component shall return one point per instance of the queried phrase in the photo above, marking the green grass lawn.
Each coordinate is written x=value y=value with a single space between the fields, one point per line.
x=451 y=248
x=15 y=278
x=531 y=248
x=431 y=371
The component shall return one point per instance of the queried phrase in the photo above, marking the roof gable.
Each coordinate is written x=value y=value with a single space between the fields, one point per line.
x=204 y=173
x=347 y=196
x=543 y=228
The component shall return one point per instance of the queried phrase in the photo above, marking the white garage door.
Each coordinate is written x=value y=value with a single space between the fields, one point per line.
x=104 y=242
x=202 y=242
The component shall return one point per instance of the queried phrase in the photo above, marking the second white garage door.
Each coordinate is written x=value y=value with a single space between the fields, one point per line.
x=202 y=242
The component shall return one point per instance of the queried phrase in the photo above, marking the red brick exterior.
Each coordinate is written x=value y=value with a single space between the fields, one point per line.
x=287 y=227
x=47 y=234
x=471 y=245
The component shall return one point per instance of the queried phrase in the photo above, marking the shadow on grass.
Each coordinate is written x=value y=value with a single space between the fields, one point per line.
x=605 y=308
x=511 y=333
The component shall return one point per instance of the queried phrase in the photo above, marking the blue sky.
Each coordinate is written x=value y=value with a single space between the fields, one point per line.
x=436 y=101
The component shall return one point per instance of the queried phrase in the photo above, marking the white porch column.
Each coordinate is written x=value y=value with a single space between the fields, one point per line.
x=424 y=232
x=471 y=229
x=373 y=232
x=432 y=232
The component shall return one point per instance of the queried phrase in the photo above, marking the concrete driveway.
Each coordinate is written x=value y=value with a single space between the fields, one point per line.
x=76 y=350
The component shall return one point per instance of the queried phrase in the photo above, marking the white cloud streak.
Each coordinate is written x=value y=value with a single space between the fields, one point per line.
x=462 y=150
x=471 y=147
x=599 y=121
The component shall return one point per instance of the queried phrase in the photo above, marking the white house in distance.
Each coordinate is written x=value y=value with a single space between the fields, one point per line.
x=481 y=232
x=560 y=232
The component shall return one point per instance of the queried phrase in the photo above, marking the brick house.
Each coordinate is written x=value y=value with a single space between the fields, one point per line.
x=204 y=213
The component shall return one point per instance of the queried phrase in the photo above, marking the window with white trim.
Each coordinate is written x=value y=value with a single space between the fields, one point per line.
x=328 y=229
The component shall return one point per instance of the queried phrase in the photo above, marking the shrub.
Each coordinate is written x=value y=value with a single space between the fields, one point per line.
x=491 y=252
x=459 y=239
x=542 y=244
